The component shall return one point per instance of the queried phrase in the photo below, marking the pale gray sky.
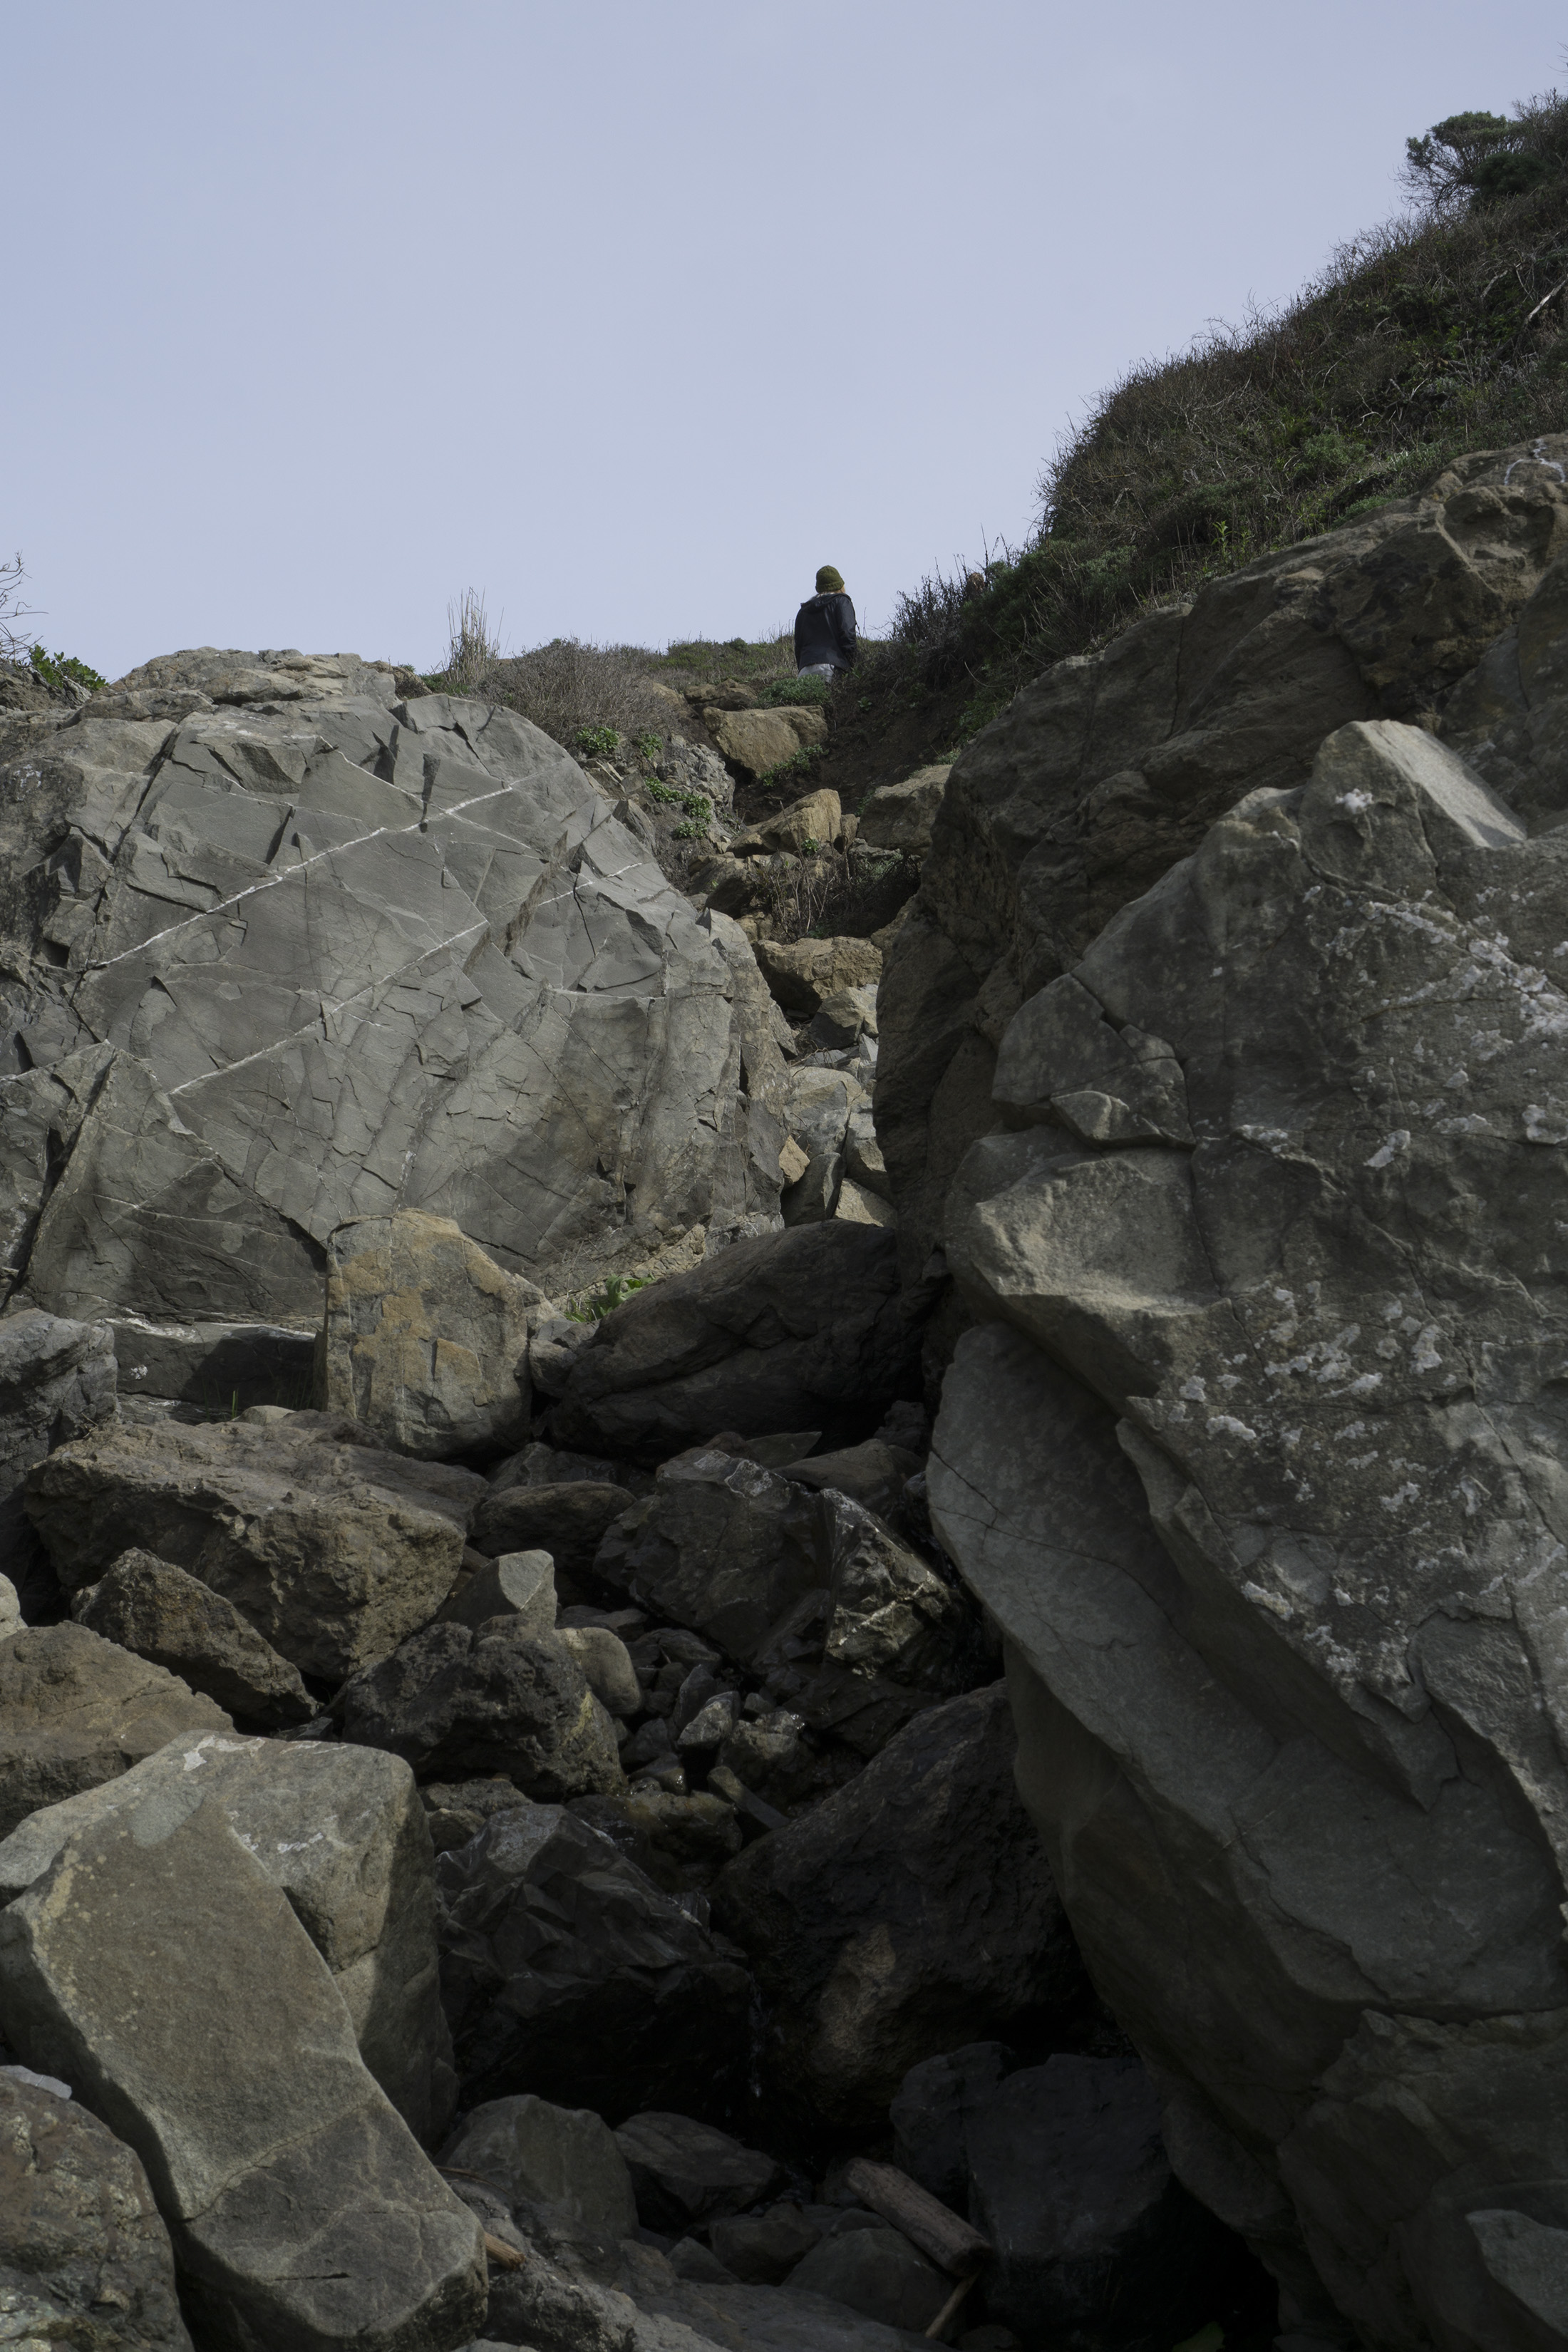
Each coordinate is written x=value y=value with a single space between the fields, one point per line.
x=632 y=315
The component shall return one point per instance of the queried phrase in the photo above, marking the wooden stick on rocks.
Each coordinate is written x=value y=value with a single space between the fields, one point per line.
x=924 y=2221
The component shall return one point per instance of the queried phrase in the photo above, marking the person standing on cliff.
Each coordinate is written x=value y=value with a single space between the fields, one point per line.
x=824 y=629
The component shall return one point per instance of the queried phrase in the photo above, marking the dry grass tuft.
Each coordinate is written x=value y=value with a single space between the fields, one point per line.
x=567 y=688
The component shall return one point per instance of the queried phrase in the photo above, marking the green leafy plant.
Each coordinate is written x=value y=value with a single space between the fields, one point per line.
x=795 y=693
x=666 y=793
x=692 y=828
x=647 y=745
x=593 y=1306
x=56 y=668
x=799 y=763
x=598 y=742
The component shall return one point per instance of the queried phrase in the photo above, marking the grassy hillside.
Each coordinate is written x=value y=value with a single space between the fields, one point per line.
x=1443 y=332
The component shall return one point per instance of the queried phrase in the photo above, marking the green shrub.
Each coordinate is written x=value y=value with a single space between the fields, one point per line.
x=797 y=693
x=593 y=1306
x=598 y=742
x=658 y=792
x=799 y=763
x=56 y=668
x=647 y=746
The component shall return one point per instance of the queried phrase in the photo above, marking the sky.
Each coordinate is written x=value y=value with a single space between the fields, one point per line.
x=628 y=314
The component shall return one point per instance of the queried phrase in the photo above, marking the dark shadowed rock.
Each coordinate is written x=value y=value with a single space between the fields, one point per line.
x=173 y=1620
x=684 y=2172
x=1070 y=2182
x=85 y=2260
x=57 y=1382
x=911 y=1908
x=568 y=1520
x=879 y=2273
x=455 y=1701
x=330 y=1547
x=76 y=1710
x=563 y=2158
x=567 y=1973
x=931 y=2114
x=802 y=1330
x=722 y=1546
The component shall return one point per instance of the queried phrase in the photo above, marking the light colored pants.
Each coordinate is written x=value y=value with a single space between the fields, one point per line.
x=818 y=669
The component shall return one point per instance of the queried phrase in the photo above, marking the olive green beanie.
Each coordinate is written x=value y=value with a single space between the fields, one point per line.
x=829 y=582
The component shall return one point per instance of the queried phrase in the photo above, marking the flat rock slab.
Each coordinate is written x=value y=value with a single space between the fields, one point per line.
x=85 y=2259
x=341 y=1831
x=685 y=2172
x=226 y=1367
x=159 y=1968
x=331 y=957
x=76 y=1710
x=331 y=1548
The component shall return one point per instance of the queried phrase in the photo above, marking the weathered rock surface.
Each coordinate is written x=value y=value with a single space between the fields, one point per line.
x=1285 y=1640
x=906 y=1911
x=801 y=972
x=57 y=1382
x=76 y=1710
x=890 y=1612
x=568 y=1973
x=804 y=1330
x=455 y=1700
x=226 y=1367
x=568 y=1521
x=565 y=2158
x=308 y=957
x=159 y=1968
x=85 y=2260
x=878 y=2273
x=901 y=816
x=931 y=2115
x=342 y=1833
x=425 y=1340
x=331 y=1548
x=805 y=826
x=175 y=1621
x=683 y=2171
x=818 y=1106
x=1113 y=766
x=519 y=1584
x=760 y=739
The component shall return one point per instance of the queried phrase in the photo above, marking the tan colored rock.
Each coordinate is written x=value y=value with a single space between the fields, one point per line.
x=730 y=694
x=801 y=972
x=425 y=1338
x=793 y=1162
x=76 y=1710
x=162 y=1614
x=900 y=816
x=863 y=1207
x=760 y=739
x=331 y=1548
x=803 y=826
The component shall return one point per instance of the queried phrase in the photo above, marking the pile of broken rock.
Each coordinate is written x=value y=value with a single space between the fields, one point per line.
x=479 y=1853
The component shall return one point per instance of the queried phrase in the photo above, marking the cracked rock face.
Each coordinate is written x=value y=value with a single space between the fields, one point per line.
x=281 y=955
x=1282 y=1567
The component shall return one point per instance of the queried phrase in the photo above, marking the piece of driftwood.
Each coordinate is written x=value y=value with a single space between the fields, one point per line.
x=927 y=2223
x=948 y=2311
x=505 y=2257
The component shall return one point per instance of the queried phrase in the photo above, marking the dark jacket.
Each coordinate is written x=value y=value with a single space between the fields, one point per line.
x=825 y=632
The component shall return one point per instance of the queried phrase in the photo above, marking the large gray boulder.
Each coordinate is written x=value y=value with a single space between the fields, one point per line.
x=57 y=1382
x=804 y=1330
x=299 y=952
x=76 y=1710
x=910 y=1909
x=1113 y=765
x=722 y=1546
x=568 y=1973
x=331 y=1548
x=564 y=2158
x=341 y=1833
x=1279 y=1567
x=85 y=2260
x=159 y=1968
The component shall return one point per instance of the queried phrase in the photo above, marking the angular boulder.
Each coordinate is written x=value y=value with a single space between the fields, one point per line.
x=85 y=2259
x=568 y=1973
x=683 y=2172
x=331 y=1548
x=76 y=1710
x=568 y=1521
x=339 y=954
x=159 y=1968
x=1255 y=1466
x=455 y=1700
x=800 y=1330
x=931 y=2115
x=757 y=740
x=912 y=1906
x=564 y=2158
x=425 y=1338
x=722 y=1546
x=175 y=1621
x=891 y=1612
x=341 y=1831
x=901 y=816
x=879 y=2273
x=801 y=972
